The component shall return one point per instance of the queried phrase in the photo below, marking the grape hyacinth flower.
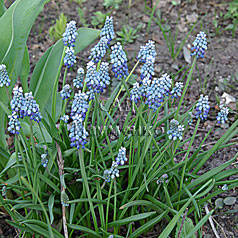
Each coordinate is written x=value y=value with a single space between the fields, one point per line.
x=222 y=115
x=147 y=70
x=176 y=131
x=119 y=61
x=65 y=118
x=157 y=90
x=177 y=90
x=145 y=84
x=135 y=93
x=190 y=118
x=69 y=58
x=90 y=94
x=17 y=101
x=14 y=124
x=107 y=175
x=99 y=50
x=44 y=160
x=80 y=105
x=121 y=157
x=202 y=107
x=78 y=81
x=103 y=74
x=112 y=173
x=146 y=51
x=31 y=108
x=199 y=45
x=92 y=77
x=78 y=134
x=70 y=34
x=4 y=78
x=4 y=191
x=108 y=30
x=65 y=92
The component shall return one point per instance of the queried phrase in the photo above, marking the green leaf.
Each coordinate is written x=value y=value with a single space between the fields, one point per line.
x=50 y=206
x=186 y=228
x=44 y=74
x=2 y=7
x=10 y=163
x=84 y=230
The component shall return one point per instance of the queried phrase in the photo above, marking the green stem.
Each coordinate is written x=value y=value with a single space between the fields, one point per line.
x=56 y=85
x=8 y=94
x=85 y=183
x=65 y=73
x=108 y=202
x=115 y=205
x=186 y=87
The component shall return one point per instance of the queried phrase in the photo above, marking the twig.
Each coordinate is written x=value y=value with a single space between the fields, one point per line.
x=181 y=227
x=220 y=227
x=211 y=222
x=60 y=162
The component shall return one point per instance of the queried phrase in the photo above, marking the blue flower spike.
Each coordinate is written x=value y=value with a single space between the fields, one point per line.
x=135 y=93
x=104 y=78
x=4 y=78
x=92 y=77
x=65 y=118
x=69 y=58
x=146 y=51
x=14 y=124
x=176 y=131
x=145 y=84
x=202 y=107
x=78 y=81
x=99 y=50
x=177 y=90
x=119 y=61
x=222 y=116
x=17 y=101
x=108 y=30
x=78 y=134
x=121 y=157
x=147 y=70
x=70 y=34
x=199 y=45
x=65 y=92
x=80 y=105
x=44 y=160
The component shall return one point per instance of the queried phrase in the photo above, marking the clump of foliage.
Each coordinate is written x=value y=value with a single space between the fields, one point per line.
x=232 y=14
x=112 y=3
x=95 y=170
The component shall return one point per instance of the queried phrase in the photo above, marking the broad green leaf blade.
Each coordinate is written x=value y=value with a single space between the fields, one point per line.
x=10 y=163
x=44 y=74
x=186 y=228
x=83 y=229
x=50 y=206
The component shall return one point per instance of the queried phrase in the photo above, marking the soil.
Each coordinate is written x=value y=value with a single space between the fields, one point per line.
x=218 y=71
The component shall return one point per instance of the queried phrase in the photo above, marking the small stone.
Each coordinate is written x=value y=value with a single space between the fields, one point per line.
x=192 y=17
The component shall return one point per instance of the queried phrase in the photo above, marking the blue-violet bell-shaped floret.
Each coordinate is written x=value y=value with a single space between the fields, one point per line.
x=121 y=157
x=99 y=50
x=14 y=124
x=4 y=78
x=18 y=101
x=146 y=82
x=146 y=51
x=190 y=118
x=104 y=78
x=65 y=118
x=92 y=77
x=108 y=30
x=135 y=93
x=69 y=58
x=147 y=70
x=199 y=45
x=177 y=90
x=80 y=105
x=107 y=175
x=65 y=92
x=31 y=108
x=202 y=107
x=44 y=160
x=175 y=131
x=119 y=61
x=78 y=81
x=90 y=94
x=70 y=34
x=222 y=115
x=78 y=134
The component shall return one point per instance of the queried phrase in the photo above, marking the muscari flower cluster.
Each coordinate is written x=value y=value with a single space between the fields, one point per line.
x=14 y=124
x=113 y=172
x=69 y=38
x=65 y=92
x=4 y=78
x=222 y=115
x=4 y=191
x=92 y=77
x=78 y=81
x=202 y=107
x=199 y=45
x=108 y=30
x=17 y=101
x=177 y=90
x=135 y=93
x=80 y=105
x=147 y=70
x=65 y=118
x=99 y=50
x=157 y=90
x=175 y=131
x=103 y=74
x=78 y=135
x=190 y=118
x=119 y=61
x=146 y=51
x=44 y=160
